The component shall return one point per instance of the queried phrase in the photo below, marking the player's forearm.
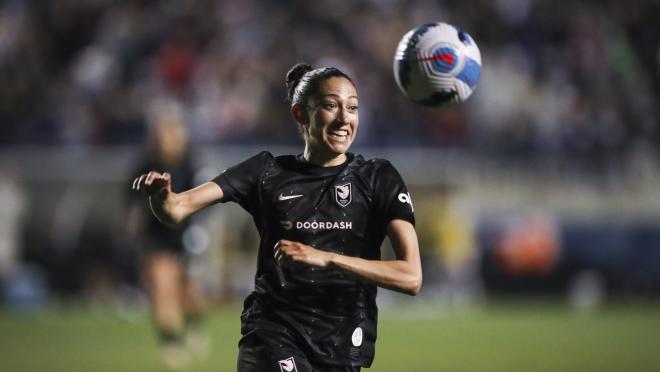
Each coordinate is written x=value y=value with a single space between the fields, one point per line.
x=398 y=275
x=172 y=208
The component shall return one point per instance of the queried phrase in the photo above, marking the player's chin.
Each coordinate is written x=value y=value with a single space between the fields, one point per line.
x=339 y=149
x=339 y=145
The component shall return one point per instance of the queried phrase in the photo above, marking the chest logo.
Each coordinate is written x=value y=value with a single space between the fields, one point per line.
x=343 y=194
x=283 y=197
x=287 y=365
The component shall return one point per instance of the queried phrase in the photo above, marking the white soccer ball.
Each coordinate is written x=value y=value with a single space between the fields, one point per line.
x=437 y=65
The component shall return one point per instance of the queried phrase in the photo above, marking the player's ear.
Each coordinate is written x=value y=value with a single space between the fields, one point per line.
x=300 y=114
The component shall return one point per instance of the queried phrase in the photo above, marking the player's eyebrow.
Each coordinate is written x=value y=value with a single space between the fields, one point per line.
x=337 y=95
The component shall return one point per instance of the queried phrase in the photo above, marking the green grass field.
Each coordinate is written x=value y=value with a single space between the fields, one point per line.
x=510 y=336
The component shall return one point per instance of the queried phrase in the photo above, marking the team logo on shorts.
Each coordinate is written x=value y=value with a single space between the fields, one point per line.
x=343 y=194
x=287 y=365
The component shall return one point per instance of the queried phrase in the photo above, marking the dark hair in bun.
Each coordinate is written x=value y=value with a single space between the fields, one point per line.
x=293 y=77
x=302 y=81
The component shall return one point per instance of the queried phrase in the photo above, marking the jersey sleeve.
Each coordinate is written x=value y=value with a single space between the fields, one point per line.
x=240 y=182
x=392 y=199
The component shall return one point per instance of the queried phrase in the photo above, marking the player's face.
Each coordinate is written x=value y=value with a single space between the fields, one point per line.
x=333 y=117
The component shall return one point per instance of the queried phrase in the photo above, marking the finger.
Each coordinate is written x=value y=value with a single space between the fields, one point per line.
x=139 y=182
x=150 y=178
x=277 y=253
x=163 y=181
x=135 y=181
x=283 y=260
x=280 y=259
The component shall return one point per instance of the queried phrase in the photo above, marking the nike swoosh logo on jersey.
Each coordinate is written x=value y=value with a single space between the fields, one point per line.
x=281 y=197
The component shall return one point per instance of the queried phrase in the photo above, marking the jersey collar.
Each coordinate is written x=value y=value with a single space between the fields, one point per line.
x=303 y=165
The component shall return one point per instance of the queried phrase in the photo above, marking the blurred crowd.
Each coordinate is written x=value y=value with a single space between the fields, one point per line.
x=576 y=81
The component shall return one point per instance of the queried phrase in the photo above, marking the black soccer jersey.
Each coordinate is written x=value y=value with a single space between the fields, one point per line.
x=343 y=209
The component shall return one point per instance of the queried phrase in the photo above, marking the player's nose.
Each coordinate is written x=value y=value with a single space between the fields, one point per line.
x=343 y=116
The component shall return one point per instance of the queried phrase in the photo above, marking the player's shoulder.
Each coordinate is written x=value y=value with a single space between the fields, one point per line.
x=374 y=166
x=263 y=155
x=260 y=158
x=286 y=158
x=376 y=172
x=253 y=165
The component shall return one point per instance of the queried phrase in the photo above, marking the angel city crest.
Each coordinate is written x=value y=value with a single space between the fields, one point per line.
x=343 y=194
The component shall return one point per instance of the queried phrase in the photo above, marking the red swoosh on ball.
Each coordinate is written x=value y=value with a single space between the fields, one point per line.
x=446 y=58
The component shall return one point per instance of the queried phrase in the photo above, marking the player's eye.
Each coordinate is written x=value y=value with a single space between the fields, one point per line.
x=329 y=105
x=353 y=108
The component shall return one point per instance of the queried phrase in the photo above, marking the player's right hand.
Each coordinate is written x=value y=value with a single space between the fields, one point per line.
x=153 y=183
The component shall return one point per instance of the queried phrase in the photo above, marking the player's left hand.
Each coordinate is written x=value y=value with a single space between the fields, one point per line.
x=289 y=251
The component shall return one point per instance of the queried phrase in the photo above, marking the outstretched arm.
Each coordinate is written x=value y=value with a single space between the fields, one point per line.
x=404 y=274
x=170 y=207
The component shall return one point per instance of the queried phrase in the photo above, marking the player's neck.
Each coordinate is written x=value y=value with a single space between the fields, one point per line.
x=324 y=160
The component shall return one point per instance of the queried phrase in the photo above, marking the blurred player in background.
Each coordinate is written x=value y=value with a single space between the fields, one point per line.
x=176 y=300
x=322 y=216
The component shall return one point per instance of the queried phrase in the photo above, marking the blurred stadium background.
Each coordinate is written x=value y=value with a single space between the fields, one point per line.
x=537 y=200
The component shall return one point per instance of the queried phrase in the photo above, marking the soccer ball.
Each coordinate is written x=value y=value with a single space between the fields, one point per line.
x=437 y=65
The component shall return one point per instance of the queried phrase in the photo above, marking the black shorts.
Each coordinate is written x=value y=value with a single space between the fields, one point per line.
x=157 y=244
x=255 y=354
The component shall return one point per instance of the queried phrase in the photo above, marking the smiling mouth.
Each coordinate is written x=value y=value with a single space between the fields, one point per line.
x=339 y=134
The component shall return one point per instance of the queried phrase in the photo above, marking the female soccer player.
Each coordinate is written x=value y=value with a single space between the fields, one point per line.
x=176 y=300
x=322 y=216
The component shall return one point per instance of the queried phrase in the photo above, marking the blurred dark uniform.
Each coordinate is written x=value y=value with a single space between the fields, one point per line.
x=153 y=234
